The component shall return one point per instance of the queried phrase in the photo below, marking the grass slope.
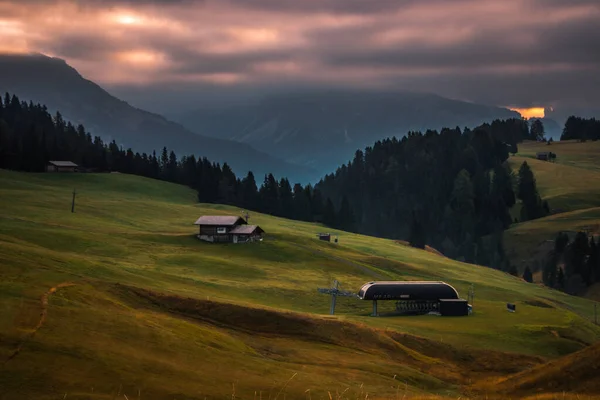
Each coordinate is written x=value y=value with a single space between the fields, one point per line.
x=572 y=187
x=577 y=372
x=133 y=304
x=569 y=152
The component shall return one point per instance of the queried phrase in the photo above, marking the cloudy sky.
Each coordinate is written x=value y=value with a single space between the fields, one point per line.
x=518 y=53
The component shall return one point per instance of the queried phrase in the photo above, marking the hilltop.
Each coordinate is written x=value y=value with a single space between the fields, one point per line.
x=130 y=300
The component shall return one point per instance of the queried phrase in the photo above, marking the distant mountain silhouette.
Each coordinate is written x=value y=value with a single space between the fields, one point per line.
x=323 y=128
x=53 y=82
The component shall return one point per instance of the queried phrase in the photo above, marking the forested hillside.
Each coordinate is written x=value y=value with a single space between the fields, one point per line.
x=581 y=129
x=57 y=85
x=450 y=189
x=30 y=137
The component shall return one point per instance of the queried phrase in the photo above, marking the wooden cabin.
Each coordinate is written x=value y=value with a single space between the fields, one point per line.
x=227 y=229
x=543 y=155
x=61 y=166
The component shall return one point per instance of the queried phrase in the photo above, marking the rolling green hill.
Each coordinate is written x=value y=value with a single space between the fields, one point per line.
x=120 y=299
x=569 y=152
x=572 y=187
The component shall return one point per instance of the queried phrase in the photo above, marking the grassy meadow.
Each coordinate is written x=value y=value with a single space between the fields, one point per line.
x=571 y=185
x=120 y=299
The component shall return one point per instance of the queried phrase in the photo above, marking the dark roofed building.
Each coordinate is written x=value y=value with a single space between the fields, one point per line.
x=219 y=220
x=227 y=229
x=61 y=166
x=416 y=297
x=543 y=155
x=407 y=290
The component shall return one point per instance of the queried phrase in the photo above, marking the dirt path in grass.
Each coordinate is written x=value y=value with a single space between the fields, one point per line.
x=43 y=315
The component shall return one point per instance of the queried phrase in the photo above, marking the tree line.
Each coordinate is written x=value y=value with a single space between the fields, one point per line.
x=450 y=189
x=572 y=266
x=30 y=137
x=581 y=129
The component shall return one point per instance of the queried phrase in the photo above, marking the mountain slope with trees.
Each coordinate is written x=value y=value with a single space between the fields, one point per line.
x=30 y=137
x=451 y=189
x=59 y=87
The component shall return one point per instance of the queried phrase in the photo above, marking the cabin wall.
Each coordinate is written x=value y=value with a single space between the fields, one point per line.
x=212 y=230
x=53 y=168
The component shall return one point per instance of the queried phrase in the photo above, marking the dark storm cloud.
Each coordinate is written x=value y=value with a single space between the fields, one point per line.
x=522 y=52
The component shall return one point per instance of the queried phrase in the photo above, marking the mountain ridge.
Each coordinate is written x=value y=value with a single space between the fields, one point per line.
x=59 y=86
x=304 y=126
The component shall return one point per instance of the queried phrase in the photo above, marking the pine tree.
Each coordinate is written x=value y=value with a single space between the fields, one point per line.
x=301 y=201
x=164 y=163
x=527 y=275
x=537 y=130
x=417 y=237
x=171 y=170
x=329 y=216
x=549 y=271
x=316 y=204
x=285 y=198
x=227 y=185
x=269 y=195
x=527 y=192
x=561 y=242
x=560 y=279
x=345 y=216
x=579 y=250
x=502 y=185
x=249 y=192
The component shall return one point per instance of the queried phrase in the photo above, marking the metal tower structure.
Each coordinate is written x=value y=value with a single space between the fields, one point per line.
x=334 y=291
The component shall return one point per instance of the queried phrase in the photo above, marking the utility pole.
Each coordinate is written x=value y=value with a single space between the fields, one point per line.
x=471 y=294
x=333 y=297
x=334 y=292
x=73 y=202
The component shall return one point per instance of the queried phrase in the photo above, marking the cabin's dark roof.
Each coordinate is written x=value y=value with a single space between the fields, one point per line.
x=63 y=163
x=220 y=220
x=407 y=290
x=246 y=230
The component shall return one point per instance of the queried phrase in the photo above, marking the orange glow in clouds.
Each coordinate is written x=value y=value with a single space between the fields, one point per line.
x=123 y=18
x=533 y=112
x=142 y=58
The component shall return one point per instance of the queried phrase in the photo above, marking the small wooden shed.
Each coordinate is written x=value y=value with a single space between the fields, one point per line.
x=62 y=166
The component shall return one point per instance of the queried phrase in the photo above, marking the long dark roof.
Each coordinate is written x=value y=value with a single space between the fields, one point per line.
x=246 y=230
x=63 y=163
x=221 y=220
x=407 y=290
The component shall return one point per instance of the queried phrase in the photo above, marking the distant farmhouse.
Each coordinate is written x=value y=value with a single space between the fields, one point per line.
x=227 y=229
x=545 y=156
x=61 y=166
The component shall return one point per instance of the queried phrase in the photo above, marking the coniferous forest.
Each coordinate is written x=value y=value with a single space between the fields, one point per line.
x=30 y=137
x=449 y=189
x=581 y=129
x=573 y=264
